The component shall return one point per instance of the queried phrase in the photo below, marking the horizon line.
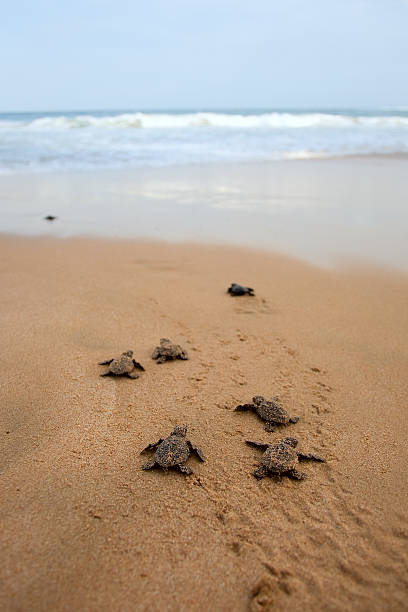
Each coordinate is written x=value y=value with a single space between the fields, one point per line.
x=197 y=109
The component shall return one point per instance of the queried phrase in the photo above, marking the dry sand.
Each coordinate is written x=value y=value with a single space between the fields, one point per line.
x=84 y=528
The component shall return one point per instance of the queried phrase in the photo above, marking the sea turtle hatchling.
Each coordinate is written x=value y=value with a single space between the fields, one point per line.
x=236 y=289
x=281 y=459
x=124 y=366
x=172 y=451
x=168 y=351
x=269 y=411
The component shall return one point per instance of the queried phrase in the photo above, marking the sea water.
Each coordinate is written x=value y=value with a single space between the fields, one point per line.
x=91 y=140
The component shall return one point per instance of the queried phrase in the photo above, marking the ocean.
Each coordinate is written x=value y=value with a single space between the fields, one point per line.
x=92 y=140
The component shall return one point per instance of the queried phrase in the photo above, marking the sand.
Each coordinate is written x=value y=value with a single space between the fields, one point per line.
x=321 y=211
x=84 y=528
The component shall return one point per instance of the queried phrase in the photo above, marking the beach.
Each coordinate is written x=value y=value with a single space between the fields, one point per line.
x=204 y=307
x=84 y=528
x=328 y=212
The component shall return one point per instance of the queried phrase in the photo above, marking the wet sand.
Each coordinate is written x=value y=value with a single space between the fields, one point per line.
x=322 y=211
x=84 y=528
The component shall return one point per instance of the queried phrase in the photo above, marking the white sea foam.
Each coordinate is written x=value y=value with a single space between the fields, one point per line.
x=274 y=120
x=81 y=141
x=304 y=155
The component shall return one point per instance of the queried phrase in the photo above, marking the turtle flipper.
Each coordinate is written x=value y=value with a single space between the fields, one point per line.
x=250 y=291
x=132 y=375
x=108 y=362
x=296 y=475
x=293 y=419
x=260 y=472
x=156 y=352
x=244 y=407
x=310 y=457
x=152 y=446
x=185 y=469
x=138 y=365
x=195 y=449
x=149 y=465
x=107 y=374
x=270 y=427
x=261 y=445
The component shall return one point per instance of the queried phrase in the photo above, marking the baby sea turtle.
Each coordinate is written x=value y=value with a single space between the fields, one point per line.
x=167 y=351
x=281 y=458
x=173 y=451
x=269 y=411
x=124 y=366
x=240 y=290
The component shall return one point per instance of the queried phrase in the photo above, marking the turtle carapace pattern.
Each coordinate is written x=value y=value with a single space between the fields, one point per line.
x=236 y=289
x=281 y=459
x=173 y=451
x=168 y=351
x=125 y=365
x=269 y=411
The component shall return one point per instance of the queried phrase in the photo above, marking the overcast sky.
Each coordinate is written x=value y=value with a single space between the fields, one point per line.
x=157 y=54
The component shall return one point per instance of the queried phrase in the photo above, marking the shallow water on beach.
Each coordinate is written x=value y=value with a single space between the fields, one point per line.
x=323 y=211
x=92 y=140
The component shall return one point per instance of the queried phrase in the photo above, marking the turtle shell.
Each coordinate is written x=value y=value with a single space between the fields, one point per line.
x=279 y=458
x=271 y=411
x=123 y=365
x=174 y=450
x=167 y=349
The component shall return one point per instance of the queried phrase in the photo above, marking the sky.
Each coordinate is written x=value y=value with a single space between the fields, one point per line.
x=203 y=54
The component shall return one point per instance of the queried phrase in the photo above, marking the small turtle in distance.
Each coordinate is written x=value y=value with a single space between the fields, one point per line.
x=168 y=351
x=269 y=411
x=173 y=451
x=124 y=366
x=50 y=218
x=281 y=459
x=235 y=290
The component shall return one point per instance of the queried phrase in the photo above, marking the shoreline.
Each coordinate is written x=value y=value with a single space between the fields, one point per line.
x=321 y=212
x=397 y=156
x=99 y=532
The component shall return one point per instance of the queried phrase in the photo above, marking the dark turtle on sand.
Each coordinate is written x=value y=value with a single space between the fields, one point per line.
x=240 y=290
x=281 y=459
x=124 y=366
x=168 y=351
x=269 y=411
x=173 y=451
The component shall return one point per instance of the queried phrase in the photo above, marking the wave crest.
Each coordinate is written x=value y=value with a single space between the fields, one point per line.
x=273 y=120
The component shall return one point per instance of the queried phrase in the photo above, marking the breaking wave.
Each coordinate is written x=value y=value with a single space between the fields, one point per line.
x=35 y=142
x=273 y=120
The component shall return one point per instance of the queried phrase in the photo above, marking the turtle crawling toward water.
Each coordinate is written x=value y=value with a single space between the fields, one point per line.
x=124 y=366
x=172 y=451
x=269 y=411
x=235 y=290
x=168 y=351
x=281 y=459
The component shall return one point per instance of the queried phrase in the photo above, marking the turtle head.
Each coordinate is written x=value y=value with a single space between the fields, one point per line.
x=179 y=430
x=291 y=441
x=258 y=399
x=128 y=354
